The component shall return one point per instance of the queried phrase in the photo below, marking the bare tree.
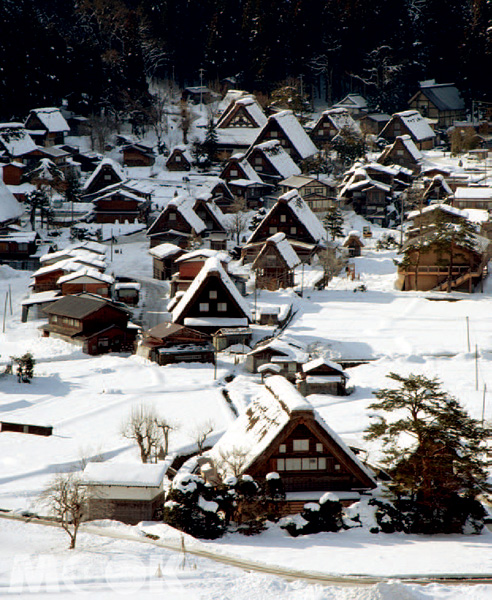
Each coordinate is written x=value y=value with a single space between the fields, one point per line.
x=143 y=427
x=331 y=263
x=232 y=461
x=157 y=114
x=185 y=120
x=67 y=496
x=237 y=220
x=200 y=433
x=100 y=132
x=165 y=428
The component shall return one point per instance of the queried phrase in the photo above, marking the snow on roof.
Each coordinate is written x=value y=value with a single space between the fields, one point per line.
x=69 y=265
x=214 y=209
x=279 y=158
x=94 y=247
x=291 y=349
x=86 y=272
x=295 y=132
x=302 y=212
x=165 y=250
x=123 y=193
x=476 y=215
x=479 y=192
x=353 y=101
x=184 y=205
x=106 y=161
x=285 y=249
x=204 y=253
x=212 y=266
x=340 y=119
x=237 y=136
x=445 y=96
x=318 y=362
x=216 y=322
x=15 y=139
x=184 y=150
x=416 y=124
x=249 y=171
x=252 y=107
x=410 y=146
x=125 y=474
x=41 y=297
x=10 y=209
x=230 y=98
x=434 y=207
x=52 y=119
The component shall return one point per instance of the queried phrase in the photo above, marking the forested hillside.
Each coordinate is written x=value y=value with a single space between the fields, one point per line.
x=98 y=53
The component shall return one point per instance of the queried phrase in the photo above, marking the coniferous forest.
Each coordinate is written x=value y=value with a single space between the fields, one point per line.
x=101 y=53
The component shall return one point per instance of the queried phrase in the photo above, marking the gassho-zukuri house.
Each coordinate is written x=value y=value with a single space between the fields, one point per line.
x=280 y=431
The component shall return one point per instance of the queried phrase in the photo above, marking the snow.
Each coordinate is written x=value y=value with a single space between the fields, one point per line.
x=212 y=266
x=295 y=133
x=475 y=193
x=52 y=119
x=287 y=394
x=285 y=249
x=15 y=139
x=124 y=474
x=164 y=250
x=114 y=166
x=278 y=157
x=10 y=209
x=184 y=205
x=419 y=128
x=411 y=147
x=86 y=273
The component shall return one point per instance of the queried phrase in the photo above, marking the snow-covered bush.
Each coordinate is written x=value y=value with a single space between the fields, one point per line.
x=325 y=515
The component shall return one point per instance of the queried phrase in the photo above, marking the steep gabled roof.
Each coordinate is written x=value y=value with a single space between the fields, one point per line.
x=283 y=247
x=80 y=306
x=353 y=101
x=278 y=158
x=293 y=131
x=211 y=268
x=418 y=127
x=10 y=209
x=444 y=96
x=105 y=163
x=15 y=139
x=269 y=414
x=52 y=119
x=86 y=272
x=245 y=104
x=183 y=205
x=340 y=118
x=303 y=213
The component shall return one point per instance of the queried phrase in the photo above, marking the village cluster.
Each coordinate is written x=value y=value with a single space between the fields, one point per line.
x=287 y=202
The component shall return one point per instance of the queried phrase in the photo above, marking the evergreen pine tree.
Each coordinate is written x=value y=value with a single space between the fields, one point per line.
x=211 y=141
x=36 y=200
x=333 y=222
x=445 y=466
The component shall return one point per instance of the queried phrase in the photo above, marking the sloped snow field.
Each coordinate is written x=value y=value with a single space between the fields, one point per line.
x=87 y=399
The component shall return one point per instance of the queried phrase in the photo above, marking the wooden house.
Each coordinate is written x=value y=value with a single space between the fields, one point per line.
x=10 y=209
x=170 y=343
x=199 y=94
x=16 y=145
x=19 y=250
x=285 y=128
x=402 y=152
x=293 y=217
x=287 y=353
x=353 y=244
x=441 y=102
x=232 y=336
x=412 y=123
x=237 y=167
x=275 y=263
x=317 y=194
x=180 y=159
x=185 y=216
x=436 y=189
x=460 y=269
x=189 y=265
x=245 y=112
x=86 y=280
x=373 y=123
x=271 y=162
x=47 y=126
x=120 y=206
x=91 y=257
x=322 y=376
x=127 y=291
x=13 y=173
x=426 y=218
x=163 y=257
x=138 y=155
x=367 y=196
x=473 y=197
x=94 y=323
x=212 y=301
x=108 y=172
x=126 y=492
x=281 y=432
x=331 y=123
x=355 y=104
x=46 y=277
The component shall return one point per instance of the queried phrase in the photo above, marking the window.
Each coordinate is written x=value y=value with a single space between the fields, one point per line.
x=283 y=218
x=337 y=467
x=309 y=464
x=258 y=160
x=54 y=319
x=293 y=229
x=272 y=230
x=301 y=445
x=293 y=464
x=280 y=464
x=177 y=158
x=233 y=172
x=282 y=448
x=321 y=463
x=172 y=216
x=222 y=306
x=319 y=447
x=204 y=307
x=107 y=177
x=212 y=294
x=399 y=153
x=273 y=134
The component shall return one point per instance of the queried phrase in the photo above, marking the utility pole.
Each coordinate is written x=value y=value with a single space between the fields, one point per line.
x=201 y=71
x=483 y=402
x=476 y=368
x=468 y=332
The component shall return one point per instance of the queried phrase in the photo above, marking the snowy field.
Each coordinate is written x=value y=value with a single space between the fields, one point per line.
x=87 y=399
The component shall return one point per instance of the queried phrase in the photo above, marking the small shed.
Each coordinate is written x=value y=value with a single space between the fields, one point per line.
x=353 y=243
x=232 y=336
x=169 y=343
x=127 y=292
x=179 y=160
x=138 y=155
x=321 y=376
x=127 y=492
x=163 y=258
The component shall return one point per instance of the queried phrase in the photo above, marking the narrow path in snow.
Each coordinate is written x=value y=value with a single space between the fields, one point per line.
x=248 y=565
